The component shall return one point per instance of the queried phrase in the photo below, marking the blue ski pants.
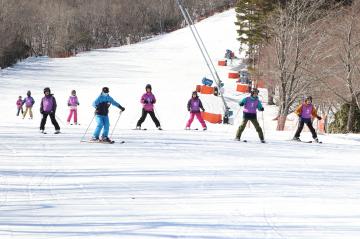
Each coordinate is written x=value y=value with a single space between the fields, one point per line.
x=102 y=122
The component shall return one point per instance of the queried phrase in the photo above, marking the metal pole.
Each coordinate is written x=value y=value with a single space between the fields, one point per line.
x=217 y=79
x=82 y=138
x=263 y=122
x=193 y=33
x=115 y=125
x=203 y=49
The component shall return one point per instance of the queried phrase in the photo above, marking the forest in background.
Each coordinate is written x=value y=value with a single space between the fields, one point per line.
x=302 y=48
x=61 y=28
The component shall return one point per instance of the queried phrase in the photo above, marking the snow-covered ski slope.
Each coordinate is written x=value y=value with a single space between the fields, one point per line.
x=171 y=183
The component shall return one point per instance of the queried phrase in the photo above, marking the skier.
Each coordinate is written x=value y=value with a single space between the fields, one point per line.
x=73 y=102
x=148 y=100
x=194 y=105
x=19 y=107
x=306 y=111
x=102 y=104
x=29 y=102
x=251 y=103
x=48 y=108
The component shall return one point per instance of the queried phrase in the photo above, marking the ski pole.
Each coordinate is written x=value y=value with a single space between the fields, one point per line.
x=115 y=124
x=61 y=122
x=156 y=113
x=263 y=122
x=82 y=138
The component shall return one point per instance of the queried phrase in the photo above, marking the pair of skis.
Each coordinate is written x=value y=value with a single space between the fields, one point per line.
x=102 y=142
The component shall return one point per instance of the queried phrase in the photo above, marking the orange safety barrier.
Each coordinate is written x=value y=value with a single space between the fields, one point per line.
x=207 y=90
x=212 y=118
x=234 y=75
x=222 y=63
x=198 y=88
x=243 y=88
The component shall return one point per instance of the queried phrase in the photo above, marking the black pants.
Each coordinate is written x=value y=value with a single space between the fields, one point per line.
x=309 y=125
x=20 y=110
x=143 y=117
x=53 y=121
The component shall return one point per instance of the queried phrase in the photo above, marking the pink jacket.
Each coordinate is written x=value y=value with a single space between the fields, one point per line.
x=19 y=103
x=148 y=100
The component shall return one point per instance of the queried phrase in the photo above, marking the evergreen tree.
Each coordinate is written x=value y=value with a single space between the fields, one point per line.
x=251 y=17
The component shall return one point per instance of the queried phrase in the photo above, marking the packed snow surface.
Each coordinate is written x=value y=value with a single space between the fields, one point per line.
x=172 y=183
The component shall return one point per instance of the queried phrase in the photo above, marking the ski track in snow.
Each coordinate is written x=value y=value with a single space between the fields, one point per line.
x=165 y=184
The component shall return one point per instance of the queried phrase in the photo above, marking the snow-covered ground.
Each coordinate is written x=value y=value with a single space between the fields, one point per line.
x=171 y=183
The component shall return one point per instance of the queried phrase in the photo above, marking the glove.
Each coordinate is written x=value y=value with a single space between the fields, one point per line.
x=241 y=104
x=189 y=109
x=203 y=109
x=319 y=118
x=41 y=112
x=69 y=104
x=122 y=108
x=262 y=109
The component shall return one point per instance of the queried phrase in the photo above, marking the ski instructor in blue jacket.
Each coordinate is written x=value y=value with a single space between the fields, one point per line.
x=102 y=104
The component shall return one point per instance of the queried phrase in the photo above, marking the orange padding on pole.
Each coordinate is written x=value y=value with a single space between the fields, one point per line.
x=243 y=88
x=198 y=88
x=222 y=63
x=212 y=118
x=207 y=90
x=234 y=75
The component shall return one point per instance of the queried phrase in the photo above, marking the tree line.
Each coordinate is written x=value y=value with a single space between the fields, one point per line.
x=60 y=28
x=306 y=47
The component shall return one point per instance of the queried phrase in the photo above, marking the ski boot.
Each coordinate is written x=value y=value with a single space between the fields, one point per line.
x=205 y=128
x=106 y=140
x=296 y=139
x=94 y=139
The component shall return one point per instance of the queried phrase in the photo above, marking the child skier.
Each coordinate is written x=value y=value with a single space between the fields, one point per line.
x=48 y=108
x=251 y=104
x=29 y=102
x=194 y=105
x=306 y=111
x=102 y=104
x=19 y=107
x=73 y=102
x=148 y=100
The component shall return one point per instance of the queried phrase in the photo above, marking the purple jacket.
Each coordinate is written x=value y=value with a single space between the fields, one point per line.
x=148 y=100
x=306 y=111
x=73 y=101
x=194 y=105
x=48 y=104
x=29 y=101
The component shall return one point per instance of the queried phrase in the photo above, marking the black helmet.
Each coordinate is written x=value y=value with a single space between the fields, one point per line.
x=47 y=89
x=28 y=93
x=194 y=93
x=73 y=92
x=309 y=98
x=254 y=90
x=105 y=89
x=148 y=86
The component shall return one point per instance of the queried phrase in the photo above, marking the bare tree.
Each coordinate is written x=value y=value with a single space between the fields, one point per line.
x=340 y=59
x=293 y=27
